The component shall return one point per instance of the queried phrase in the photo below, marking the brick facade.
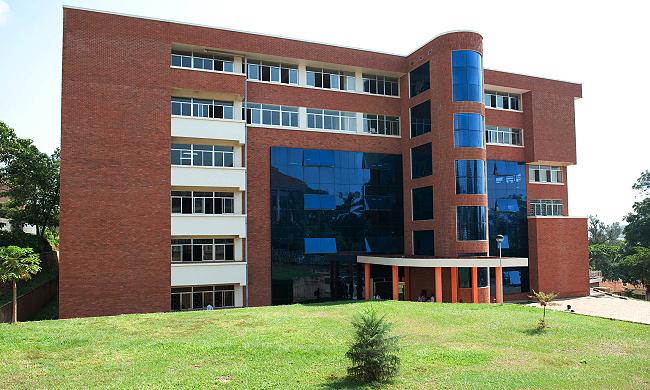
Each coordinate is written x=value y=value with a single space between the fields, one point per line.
x=115 y=171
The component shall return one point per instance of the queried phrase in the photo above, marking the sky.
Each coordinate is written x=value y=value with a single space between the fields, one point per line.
x=597 y=44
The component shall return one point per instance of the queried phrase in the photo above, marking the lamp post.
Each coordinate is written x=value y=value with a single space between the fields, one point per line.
x=499 y=241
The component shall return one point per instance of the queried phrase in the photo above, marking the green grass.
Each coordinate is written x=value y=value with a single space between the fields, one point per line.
x=26 y=286
x=303 y=346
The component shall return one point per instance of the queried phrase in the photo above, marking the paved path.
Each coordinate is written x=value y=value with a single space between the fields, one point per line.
x=602 y=305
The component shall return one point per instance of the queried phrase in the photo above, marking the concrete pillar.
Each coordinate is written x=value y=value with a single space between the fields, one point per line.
x=395 y=283
x=498 y=275
x=366 y=279
x=438 y=277
x=474 y=285
x=454 y=284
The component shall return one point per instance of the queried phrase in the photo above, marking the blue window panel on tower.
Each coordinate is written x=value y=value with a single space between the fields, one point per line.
x=312 y=202
x=311 y=158
x=504 y=244
x=327 y=202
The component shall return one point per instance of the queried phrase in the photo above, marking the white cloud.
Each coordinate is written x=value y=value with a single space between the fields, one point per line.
x=4 y=12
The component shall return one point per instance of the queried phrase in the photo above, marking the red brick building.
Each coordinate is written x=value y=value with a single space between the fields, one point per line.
x=304 y=171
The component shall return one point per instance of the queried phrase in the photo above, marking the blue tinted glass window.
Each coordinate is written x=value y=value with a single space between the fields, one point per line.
x=328 y=245
x=471 y=223
x=419 y=78
x=311 y=157
x=470 y=177
x=467 y=76
x=421 y=119
x=326 y=158
x=278 y=156
x=422 y=203
x=327 y=202
x=313 y=245
x=468 y=130
x=421 y=164
x=423 y=242
x=312 y=202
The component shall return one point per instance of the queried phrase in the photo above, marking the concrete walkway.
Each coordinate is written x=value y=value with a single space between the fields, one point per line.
x=602 y=305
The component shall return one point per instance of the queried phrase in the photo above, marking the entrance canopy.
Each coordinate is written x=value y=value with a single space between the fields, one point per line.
x=412 y=261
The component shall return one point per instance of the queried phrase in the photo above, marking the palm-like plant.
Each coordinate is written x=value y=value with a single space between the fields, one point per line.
x=17 y=263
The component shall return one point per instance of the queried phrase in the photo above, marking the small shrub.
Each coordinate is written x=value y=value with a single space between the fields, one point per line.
x=543 y=299
x=373 y=351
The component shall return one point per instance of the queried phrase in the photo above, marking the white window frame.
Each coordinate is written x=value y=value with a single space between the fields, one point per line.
x=497 y=135
x=545 y=174
x=546 y=207
x=499 y=98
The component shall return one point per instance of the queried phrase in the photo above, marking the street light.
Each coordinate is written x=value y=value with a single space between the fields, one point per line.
x=499 y=241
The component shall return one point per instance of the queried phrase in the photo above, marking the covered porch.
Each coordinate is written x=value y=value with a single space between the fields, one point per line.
x=444 y=279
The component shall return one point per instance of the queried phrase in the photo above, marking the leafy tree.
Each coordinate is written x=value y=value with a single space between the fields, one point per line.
x=543 y=299
x=643 y=183
x=373 y=352
x=639 y=266
x=602 y=234
x=637 y=231
x=31 y=179
x=609 y=260
x=17 y=264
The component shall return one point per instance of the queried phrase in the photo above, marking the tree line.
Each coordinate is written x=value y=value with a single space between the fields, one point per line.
x=628 y=258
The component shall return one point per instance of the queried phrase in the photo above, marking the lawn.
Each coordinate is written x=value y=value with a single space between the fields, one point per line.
x=303 y=346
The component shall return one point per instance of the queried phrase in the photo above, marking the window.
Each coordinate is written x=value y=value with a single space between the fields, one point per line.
x=319 y=202
x=379 y=124
x=331 y=120
x=467 y=75
x=546 y=207
x=464 y=277
x=422 y=203
x=468 y=130
x=205 y=61
x=199 y=297
x=331 y=79
x=195 y=202
x=503 y=100
x=272 y=71
x=269 y=114
x=202 y=108
x=202 y=249
x=470 y=177
x=503 y=135
x=380 y=85
x=419 y=79
x=320 y=245
x=421 y=164
x=470 y=221
x=544 y=174
x=423 y=242
x=421 y=119
x=203 y=155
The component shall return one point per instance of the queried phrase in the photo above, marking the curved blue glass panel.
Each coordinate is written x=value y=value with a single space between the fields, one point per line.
x=468 y=130
x=467 y=76
x=470 y=177
x=471 y=223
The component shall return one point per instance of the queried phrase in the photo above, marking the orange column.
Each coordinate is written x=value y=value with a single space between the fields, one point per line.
x=498 y=276
x=438 y=276
x=454 y=284
x=366 y=279
x=407 y=284
x=474 y=285
x=395 y=284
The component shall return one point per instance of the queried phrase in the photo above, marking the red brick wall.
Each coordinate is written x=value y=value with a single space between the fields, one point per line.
x=444 y=154
x=115 y=172
x=559 y=255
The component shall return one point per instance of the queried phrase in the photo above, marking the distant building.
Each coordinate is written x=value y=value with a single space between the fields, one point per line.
x=204 y=166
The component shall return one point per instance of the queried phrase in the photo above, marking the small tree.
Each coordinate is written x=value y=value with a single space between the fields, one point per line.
x=17 y=264
x=373 y=352
x=543 y=299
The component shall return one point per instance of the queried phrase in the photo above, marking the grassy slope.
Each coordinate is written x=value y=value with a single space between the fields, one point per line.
x=446 y=346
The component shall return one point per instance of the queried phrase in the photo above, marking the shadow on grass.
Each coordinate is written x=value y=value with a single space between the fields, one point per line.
x=536 y=331
x=330 y=303
x=351 y=383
